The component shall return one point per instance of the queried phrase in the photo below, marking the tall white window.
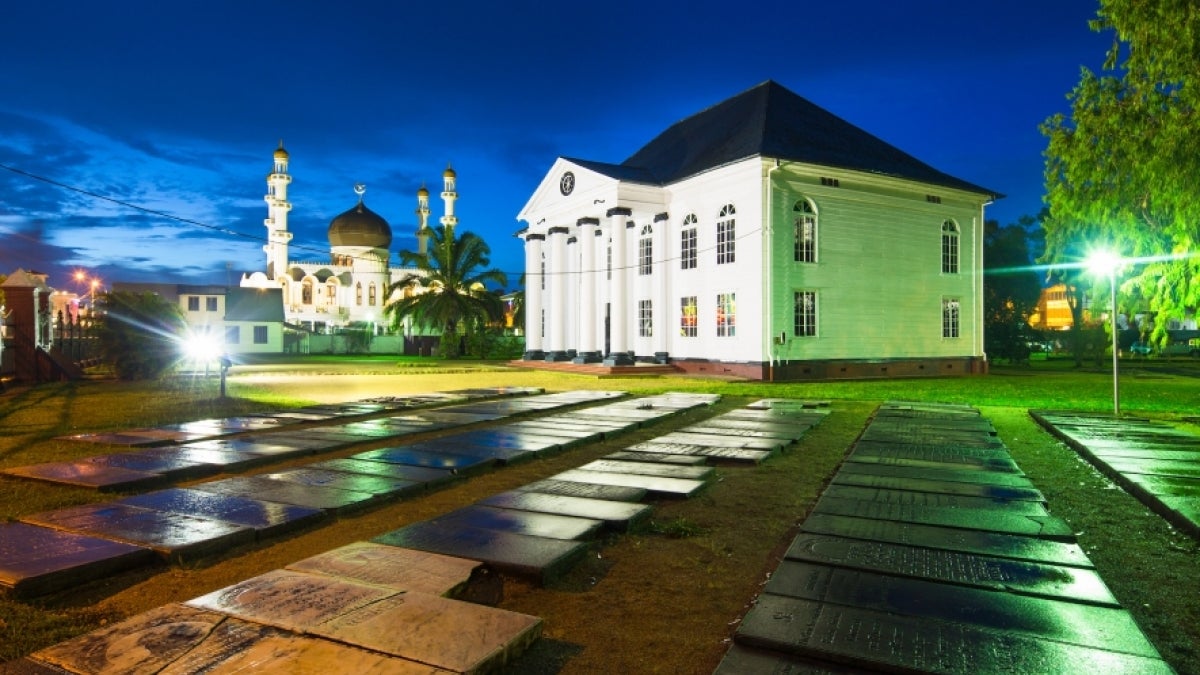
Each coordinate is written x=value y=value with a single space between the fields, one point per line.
x=645 y=318
x=725 y=235
x=306 y=292
x=646 y=252
x=950 y=317
x=949 y=247
x=687 y=316
x=726 y=314
x=805 y=229
x=371 y=294
x=358 y=293
x=805 y=314
x=687 y=243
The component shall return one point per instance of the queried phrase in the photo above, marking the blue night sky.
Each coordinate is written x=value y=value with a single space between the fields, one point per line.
x=178 y=106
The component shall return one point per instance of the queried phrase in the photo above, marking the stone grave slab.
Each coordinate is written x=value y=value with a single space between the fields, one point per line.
x=949 y=425
x=1142 y=453
x=173 y=536
x=325 y=498
x=662 y=447
x=114 y=438
x=268 y=519
x=328 y=438
x=537 y=524
x=776 y=415
x=937 y=438
x=351 y=482
x=1070 y=622
x=1189 y=470
x=616 y=515
x=1166 y=485
x=949 y=453
x=656 y=458
x=609 y=423
x=987 y=520
x=403 y=569
x=288 y=445
x=428 y=456
x=997 y=492
x=300 y=416
x=716 y=429
x=720 y=441
x=502 y=438
x=291 y=600
x=1186 y=511
x=977 y=476
x=538 y=558
x=658 y=485
x=418 y=474
x=461 y=637
x=566 y=488
x=742 y=660
x=932 y=500
x=37 y=560
x=172 y=465
x=144 y=643
x=650 y=469
x=737 y=455
x=82 y=473
x=851 y=635
x=797 y=428
x=453 y=418
x=221 y=460
x=242 y=647
x=866 y=452
x=787 y=404
x=496 y=454
x=966 y=569
x=573 y=435
x=995 y=544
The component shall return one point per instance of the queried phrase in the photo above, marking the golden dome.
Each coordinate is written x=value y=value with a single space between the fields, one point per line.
x=449 y=173
x=422 y=192
x=281 y=153
x=360 y=226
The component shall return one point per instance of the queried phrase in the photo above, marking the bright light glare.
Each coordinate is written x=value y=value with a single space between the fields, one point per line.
x=201 y=347
x=1103 y=262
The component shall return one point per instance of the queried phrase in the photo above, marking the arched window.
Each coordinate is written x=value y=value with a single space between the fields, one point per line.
x=358 y=293
x=371 y=294
x=646 y=252
x=725 y=235
x=804 y=229
x=331 y=294
x=687 y=243
x=949 y=247
x=306 y=292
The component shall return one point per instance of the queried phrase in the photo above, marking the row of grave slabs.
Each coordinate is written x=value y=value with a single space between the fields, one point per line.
x=1157 y=463
x=396 y=604
x=930 y=551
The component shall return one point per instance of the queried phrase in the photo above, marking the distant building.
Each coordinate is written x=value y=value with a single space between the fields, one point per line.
x=763 y=237
x=238 y=320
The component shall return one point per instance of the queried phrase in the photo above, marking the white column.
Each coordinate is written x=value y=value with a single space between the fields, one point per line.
x=619 y=290
x=587 y=352
x=600 y=265
x=556 y=316
x=533 y=297
x=661 y=274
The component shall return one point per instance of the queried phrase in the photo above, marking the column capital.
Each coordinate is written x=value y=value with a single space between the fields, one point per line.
x=570 y=240
x=558 y=229
x=535 y=237
x=619 y=211
x=587 y=221
x=659 y=217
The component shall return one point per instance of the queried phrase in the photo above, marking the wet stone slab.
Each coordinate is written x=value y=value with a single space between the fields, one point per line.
x=1167 y=485
x=994 y=544
x=741 y=660
x=932 y=500
x=997 y=492
x=115 y=438
x=220 y=459
x=720 y=441
x=975 y=476
x=616 y=515
x=966 y=569
x=37 y=560
x=267 y=518
x=87 y=474
x=458 y=636
x=500 y=438
x=656 y=458
x=736 y=455
x=144 y=643
x=1190 y=470
x=537 y=524
x=417 y=474
x=351 y=482
x=650 y=469
x=325 y=498
x=487 y=452
x=666 y=487
x=662 y=447
x=403 y=569
x=291 y=600
x=165 y=461
x=741 y=432
x=852 y=635
x=538 y=558
x=428 y=455
x=566 y=488
x=985 y=520
x=1076 y=623
x=173 y=536
x=1143 y=454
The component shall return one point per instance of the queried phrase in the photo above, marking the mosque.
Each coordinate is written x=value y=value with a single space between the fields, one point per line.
x=351 y=287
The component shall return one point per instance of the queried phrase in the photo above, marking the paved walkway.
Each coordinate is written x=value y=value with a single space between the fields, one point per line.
x=931 y=552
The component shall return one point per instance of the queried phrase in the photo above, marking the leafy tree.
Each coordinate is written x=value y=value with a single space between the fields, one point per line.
x=1121 y=170
x=138 y=333
x=448 y=291
x=1010 y=290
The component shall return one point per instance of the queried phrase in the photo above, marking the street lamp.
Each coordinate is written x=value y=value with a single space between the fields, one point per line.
x=1106 y=263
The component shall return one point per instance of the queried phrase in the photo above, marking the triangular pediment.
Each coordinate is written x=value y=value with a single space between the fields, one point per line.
x=571 y=185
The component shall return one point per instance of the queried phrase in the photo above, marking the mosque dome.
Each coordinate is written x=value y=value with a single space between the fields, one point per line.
x=449 y=173
x=422 y=192
x=280 y=153
x=360 y=226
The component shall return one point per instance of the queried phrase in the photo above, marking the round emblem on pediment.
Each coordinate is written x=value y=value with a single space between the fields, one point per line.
x=567 y=183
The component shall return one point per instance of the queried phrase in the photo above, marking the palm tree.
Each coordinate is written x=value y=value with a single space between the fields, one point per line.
x=448 y=288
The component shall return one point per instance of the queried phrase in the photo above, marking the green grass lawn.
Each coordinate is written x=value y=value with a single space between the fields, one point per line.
x=1150 y=567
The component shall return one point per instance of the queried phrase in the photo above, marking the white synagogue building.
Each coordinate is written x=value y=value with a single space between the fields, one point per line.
x=763 y=237
x=351 y=286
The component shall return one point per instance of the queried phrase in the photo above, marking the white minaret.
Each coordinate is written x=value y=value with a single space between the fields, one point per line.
x=423 y=231
x=448 y=196
x=278 y=206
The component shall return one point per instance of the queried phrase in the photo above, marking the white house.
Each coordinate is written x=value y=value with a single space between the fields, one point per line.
x=763 y=237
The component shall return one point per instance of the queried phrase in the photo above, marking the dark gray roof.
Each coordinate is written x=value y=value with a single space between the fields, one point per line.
x=770 y=121
x=254 y=304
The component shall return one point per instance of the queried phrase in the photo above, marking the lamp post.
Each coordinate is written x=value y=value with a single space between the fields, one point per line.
x=1105 y=262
